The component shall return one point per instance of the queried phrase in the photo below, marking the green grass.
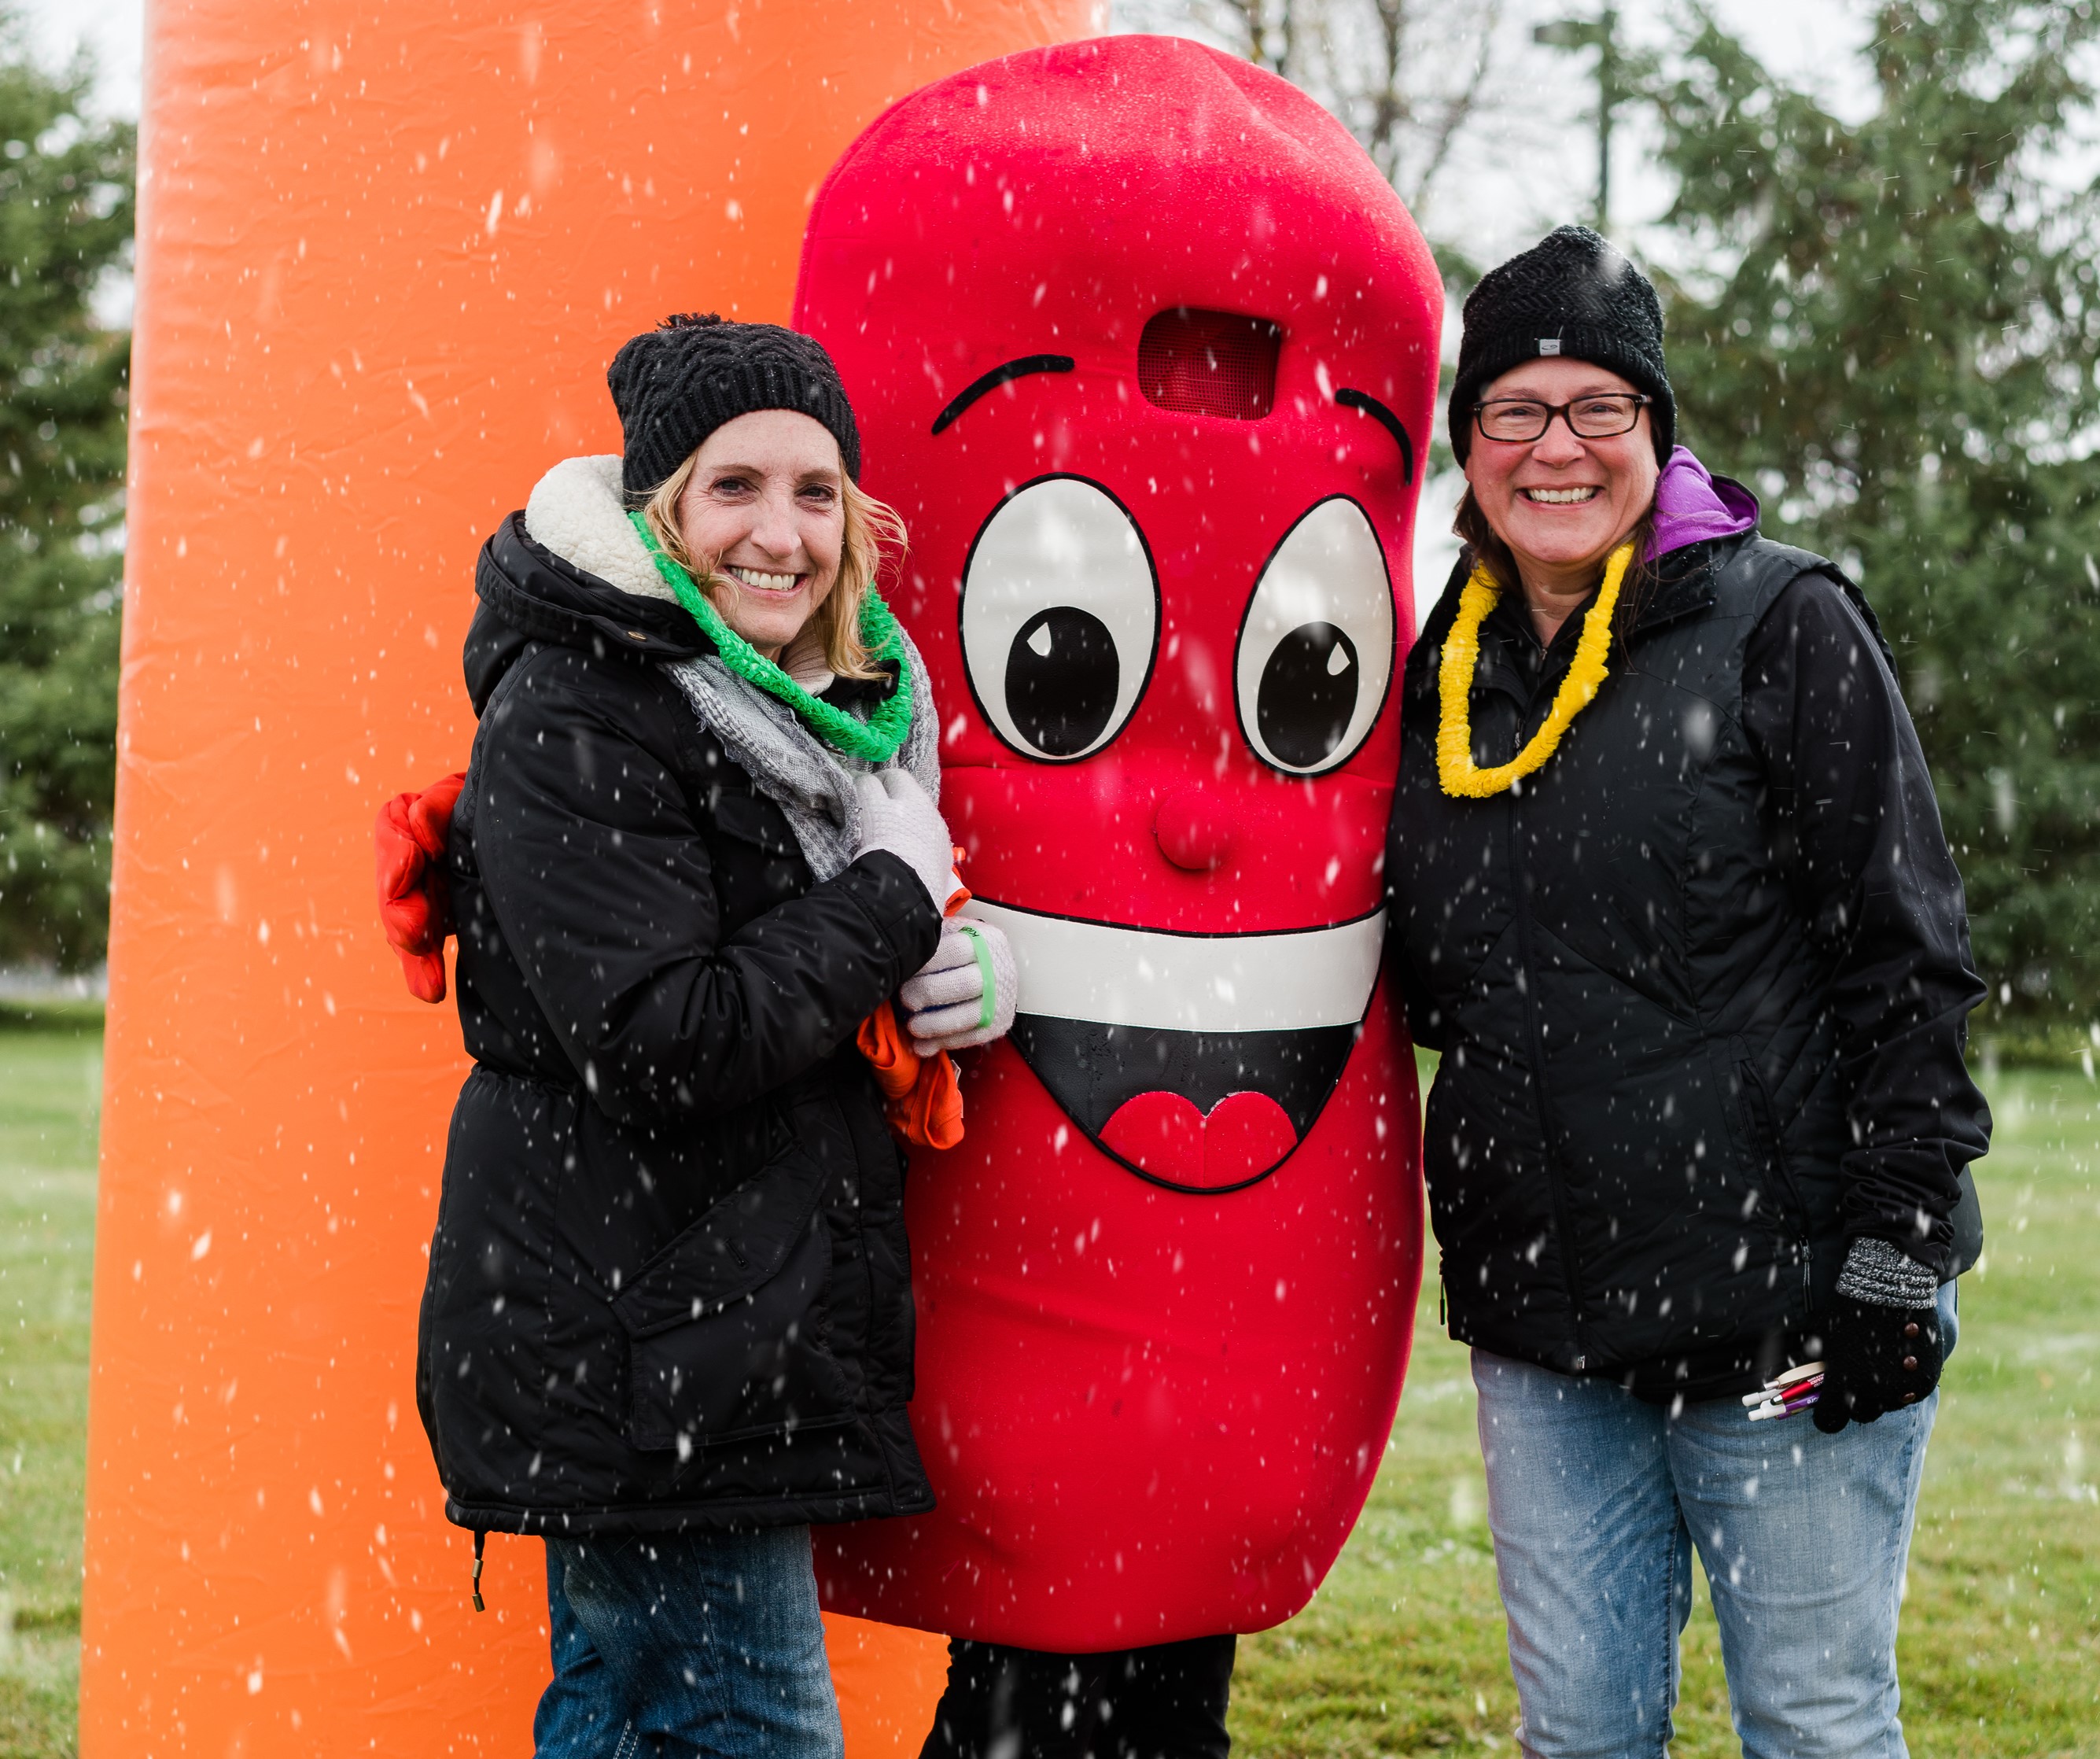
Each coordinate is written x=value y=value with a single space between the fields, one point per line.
x=1402 y=1652
x=51 y=1089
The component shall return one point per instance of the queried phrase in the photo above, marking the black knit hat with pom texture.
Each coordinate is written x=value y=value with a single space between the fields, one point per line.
x=675 y=384
x=1574 y=295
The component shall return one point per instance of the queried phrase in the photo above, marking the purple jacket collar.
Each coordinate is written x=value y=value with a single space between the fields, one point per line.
x=1691 y=507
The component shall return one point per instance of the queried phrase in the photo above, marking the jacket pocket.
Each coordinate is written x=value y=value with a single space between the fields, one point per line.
x=1761 y=1135
x=726 y=1325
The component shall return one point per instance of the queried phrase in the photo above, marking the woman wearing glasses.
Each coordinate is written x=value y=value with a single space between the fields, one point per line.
x=1671 y=896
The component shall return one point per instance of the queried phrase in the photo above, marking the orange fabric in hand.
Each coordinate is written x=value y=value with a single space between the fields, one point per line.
x=415 y=903
x=921 y=1097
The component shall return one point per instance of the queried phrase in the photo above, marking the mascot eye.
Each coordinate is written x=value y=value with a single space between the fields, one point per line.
x=1316 y=646
x=1060 y=610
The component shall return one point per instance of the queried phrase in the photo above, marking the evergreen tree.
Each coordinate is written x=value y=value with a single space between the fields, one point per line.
x=1899 y=347
x=65 y=220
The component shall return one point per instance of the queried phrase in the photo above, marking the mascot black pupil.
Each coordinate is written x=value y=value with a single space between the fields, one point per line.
x=1308 y=694
x=1061 y=675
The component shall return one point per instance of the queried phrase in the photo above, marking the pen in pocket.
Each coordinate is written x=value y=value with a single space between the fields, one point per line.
x=1786 y=1395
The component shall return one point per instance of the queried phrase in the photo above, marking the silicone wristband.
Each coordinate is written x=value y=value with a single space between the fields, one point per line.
x=988 y=1007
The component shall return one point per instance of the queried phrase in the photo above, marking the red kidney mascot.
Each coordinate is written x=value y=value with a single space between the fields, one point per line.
x=1145 y=349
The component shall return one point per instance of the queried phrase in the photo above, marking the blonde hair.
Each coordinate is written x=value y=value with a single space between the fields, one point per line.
x=871 y=526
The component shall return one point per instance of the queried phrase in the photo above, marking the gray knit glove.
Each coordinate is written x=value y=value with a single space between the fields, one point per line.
x=1883 y=1275
x=964 y=994
x=897 y=814
x=1881 y=1337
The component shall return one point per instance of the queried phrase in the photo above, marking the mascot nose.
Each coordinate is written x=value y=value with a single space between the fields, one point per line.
x=1197 y=829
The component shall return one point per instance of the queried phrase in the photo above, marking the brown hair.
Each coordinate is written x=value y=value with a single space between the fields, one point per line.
x=1484 y=549
x=871 y=526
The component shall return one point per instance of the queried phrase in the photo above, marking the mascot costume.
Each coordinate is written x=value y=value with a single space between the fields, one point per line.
x=1146 y=350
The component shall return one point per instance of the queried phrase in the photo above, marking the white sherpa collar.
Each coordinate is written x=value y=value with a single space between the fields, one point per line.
x=577 y=510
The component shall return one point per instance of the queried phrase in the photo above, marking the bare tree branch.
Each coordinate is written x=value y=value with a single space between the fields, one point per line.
x=1457 y=110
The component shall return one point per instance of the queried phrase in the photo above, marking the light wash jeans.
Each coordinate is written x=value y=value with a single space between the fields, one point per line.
x=1596 y=1500
x=671 y=1646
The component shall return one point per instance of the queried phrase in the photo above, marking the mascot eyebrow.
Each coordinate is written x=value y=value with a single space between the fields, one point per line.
x=998 y=376
x=1378 y=412
x=1006 y=374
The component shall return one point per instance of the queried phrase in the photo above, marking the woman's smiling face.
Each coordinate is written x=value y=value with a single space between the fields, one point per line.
x=765 y=507
x=1560 y=502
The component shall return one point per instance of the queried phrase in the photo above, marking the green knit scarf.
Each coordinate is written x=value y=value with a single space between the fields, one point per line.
x=875 y=740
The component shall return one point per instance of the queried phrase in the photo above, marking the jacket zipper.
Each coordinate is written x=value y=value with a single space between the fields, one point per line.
x=1545 y=1123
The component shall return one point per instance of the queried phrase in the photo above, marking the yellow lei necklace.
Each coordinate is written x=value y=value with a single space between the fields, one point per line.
x=1455 y=768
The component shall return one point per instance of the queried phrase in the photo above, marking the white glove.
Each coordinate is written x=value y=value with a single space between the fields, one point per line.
x=897 y=814
x=948 y=1008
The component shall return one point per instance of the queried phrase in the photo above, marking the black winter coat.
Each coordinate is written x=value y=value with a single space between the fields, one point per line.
x=1700 y=982
x=668 y=1285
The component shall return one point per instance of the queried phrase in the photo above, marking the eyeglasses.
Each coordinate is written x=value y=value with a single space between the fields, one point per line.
x=1521 y=419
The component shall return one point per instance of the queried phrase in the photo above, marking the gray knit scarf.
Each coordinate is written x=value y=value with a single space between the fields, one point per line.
x=810 y=782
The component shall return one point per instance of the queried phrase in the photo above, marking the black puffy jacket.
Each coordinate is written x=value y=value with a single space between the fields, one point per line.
x=1700 y=982
x=668 y=1285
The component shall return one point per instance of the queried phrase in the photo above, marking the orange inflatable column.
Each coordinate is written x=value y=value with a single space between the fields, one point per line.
x=385 y=253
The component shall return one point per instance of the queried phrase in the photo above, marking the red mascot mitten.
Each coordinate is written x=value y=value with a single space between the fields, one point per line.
x=415 y=903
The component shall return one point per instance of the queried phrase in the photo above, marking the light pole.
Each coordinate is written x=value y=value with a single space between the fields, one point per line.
x=1598 y=34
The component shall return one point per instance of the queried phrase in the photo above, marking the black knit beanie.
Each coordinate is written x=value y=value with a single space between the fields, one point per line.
x=1571 y=294
x=675 y=384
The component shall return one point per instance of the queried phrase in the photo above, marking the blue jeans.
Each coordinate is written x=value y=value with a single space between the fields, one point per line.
x=1596 y=1502
x=674 y=1646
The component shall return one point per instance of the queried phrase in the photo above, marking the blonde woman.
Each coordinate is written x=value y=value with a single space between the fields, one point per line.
x=667 y=1323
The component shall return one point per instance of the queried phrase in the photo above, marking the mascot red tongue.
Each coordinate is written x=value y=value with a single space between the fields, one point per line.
x=1145 y=350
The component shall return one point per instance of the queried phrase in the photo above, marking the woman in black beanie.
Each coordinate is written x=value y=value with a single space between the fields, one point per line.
x=1670 y=895
x=668 y=1322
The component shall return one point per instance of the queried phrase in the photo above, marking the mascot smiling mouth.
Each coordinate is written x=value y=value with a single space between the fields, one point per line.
x=1199 y=1062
